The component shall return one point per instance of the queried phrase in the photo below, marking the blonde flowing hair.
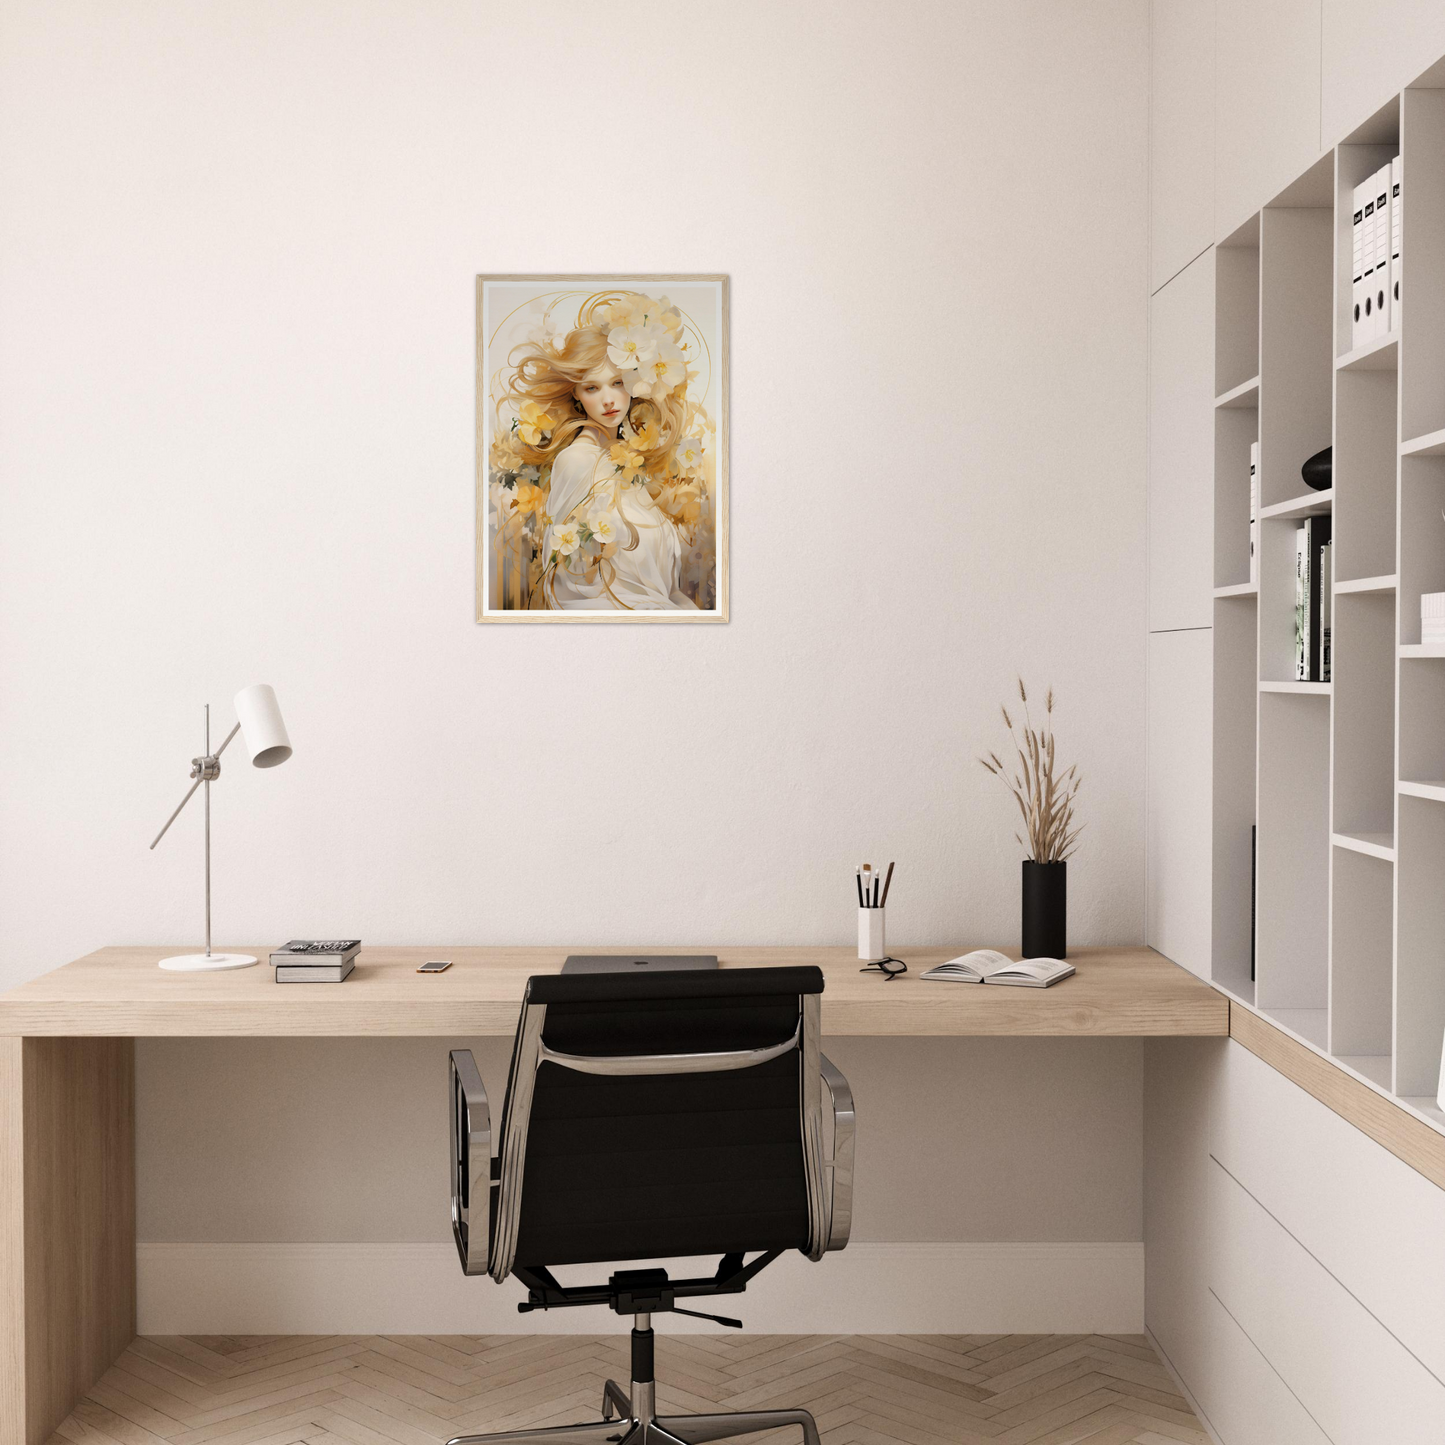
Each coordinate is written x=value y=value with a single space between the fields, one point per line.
x=546 y=373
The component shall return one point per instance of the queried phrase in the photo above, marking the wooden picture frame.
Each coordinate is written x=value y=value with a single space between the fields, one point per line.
x=602 y=448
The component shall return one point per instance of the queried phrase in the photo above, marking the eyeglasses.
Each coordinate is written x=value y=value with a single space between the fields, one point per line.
x=890 y=968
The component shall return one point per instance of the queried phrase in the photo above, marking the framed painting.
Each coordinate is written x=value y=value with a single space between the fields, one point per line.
x=602 y=422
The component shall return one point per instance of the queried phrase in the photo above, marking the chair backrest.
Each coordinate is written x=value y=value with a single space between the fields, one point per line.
x=664 y=1115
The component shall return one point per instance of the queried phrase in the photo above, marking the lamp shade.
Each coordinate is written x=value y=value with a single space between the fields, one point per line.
x=262 y=730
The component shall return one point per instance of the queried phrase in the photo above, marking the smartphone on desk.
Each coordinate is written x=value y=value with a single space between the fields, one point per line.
x=435 y=965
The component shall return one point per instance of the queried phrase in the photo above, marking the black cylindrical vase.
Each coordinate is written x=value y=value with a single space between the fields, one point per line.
x=1046 y=909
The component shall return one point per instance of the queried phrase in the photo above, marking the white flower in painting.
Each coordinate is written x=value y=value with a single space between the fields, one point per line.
x=604 y=528
x=658 y=376
x=566 y=539
x=630 y=346
x=689 y=454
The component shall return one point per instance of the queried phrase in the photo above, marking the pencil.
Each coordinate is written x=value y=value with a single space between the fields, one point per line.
x=887 y=883
x=859 y=881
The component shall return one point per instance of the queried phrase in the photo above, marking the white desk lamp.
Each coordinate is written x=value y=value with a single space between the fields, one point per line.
x=258 y=720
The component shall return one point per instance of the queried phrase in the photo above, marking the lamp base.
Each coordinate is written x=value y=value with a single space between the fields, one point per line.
x=207 y=962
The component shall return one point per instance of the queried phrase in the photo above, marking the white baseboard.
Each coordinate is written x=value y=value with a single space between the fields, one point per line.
x=313 y=1289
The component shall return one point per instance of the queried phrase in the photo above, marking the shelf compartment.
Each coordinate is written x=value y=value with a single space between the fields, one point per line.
x=1312 y=504
x=1377 y=1068
x=1296 y=351
x=1298 y=689
x=1310 y=1024
x=1420 y=935
x=1422 y=537
x=1381 y=354
x=1364 y=715
x=1365 y=459
x=1244 y=397
x=1432 y=444
x=1422 y=300
x=1294 y=855
x=1236 y=309
x=1372 y=845
x=1362 y=930
x=1234 y=432
x=1366 y=584
x=1422 y=722
x=1236 y=707
x=1356 y=160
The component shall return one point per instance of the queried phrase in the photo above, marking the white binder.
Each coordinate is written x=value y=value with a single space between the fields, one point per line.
x=1396 y=225
x=1357 y=268
x=1382 y=251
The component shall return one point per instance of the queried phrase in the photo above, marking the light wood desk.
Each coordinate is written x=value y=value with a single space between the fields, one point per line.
x=67 y=1091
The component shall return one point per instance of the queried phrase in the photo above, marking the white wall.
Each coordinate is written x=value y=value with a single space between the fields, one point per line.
x=237 y=255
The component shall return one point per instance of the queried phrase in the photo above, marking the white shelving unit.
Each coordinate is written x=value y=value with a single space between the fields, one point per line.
x=1344 y=781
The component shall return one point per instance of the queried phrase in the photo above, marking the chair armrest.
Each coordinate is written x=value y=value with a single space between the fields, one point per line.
x=471 y=1128
x=840 y=1216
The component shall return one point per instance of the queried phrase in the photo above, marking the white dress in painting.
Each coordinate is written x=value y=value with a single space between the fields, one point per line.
x=643 y=578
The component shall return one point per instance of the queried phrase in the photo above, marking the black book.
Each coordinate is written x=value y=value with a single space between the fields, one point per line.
x=317 y=951
x=1317 y=534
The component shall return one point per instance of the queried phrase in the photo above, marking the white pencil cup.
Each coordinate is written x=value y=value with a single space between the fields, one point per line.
x=871 y=946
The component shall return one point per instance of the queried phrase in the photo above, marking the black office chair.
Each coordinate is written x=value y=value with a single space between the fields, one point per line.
x=650 y=1117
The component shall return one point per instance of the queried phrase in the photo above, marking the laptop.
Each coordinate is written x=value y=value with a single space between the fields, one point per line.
x=637 y=962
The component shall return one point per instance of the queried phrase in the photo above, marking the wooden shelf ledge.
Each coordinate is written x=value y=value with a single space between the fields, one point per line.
x=1244 y=397
x=1391 y=1121
x=1379 y=355
x=1372 y=845
x=1312 y=504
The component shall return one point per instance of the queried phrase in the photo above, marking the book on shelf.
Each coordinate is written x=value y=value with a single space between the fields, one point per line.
x=316 y=952
x=1301 y=606
x=1326 y=606
x=1310 y=613
x=1254 y=514
x=988 y=965
x=314 y=972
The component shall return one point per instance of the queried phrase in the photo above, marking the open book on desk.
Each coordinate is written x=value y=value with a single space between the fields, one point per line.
x=987 y=965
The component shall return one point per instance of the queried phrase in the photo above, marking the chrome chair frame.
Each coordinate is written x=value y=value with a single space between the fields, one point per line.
x=485 y=1229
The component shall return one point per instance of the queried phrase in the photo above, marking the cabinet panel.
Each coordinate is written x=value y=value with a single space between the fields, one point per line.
x=1181 y=450
x=1370 y=52
x=1356 y=1380
x=1178 y=899
x=1266 y=102
x=1333 y=1188
x=1181 y=134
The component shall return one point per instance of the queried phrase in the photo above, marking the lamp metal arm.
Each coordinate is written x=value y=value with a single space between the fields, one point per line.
x=204 y=770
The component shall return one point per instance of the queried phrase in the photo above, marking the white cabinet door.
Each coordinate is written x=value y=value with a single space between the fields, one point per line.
x=1181 y=134
x=1370 y=52
x=1178 y=900
x=1181 y=450
x=1266 y=103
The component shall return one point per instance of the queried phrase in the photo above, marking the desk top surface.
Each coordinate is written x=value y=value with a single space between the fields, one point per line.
x=120 y=992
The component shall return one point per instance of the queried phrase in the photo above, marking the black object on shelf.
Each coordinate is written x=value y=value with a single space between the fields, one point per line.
x=1046 y=899
x=1319 y=471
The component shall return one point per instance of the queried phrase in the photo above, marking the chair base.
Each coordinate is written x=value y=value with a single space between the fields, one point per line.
x=641 y=1427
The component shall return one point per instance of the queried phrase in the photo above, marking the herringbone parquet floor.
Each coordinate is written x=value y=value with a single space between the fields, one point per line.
x=421 y=1389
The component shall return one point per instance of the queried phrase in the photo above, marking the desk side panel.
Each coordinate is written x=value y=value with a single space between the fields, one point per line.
x=12 y=1245
x=77 y=1153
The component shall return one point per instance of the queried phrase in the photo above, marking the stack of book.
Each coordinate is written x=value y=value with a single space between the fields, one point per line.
x=315 y=960
x=1312 y=601
x=1375 y=272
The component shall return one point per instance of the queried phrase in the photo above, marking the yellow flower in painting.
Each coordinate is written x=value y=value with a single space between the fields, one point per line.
x=628 y=309
x=534 y=423
x=566 y=539
x=529 y=498
x=669 y=316
x=626 y=459
x=505 y=455
x=644 y=439
x=604 y=528
x=658 y=376
x=689 y=454
x=629 y=346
